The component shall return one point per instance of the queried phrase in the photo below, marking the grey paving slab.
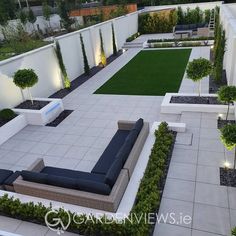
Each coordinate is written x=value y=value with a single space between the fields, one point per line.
x=211 y=219
x=213 y=145
x=211 y=195
x=179 y=190
x=9 y=224
x=208 y=174
x=232 y=197
x=29 y=229
x=211 y=158
x=184 y=156
x=202 y=233
x=171 y=230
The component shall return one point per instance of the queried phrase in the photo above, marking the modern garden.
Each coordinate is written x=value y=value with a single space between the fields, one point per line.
x=126 y=127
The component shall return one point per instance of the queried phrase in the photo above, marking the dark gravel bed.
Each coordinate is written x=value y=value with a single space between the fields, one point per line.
x=38 y=105
x=60 y=118
x=83 y=78
x=221 y=123
x=213 y=86
x=195 y=100
x=228 y=177
x=3 y=122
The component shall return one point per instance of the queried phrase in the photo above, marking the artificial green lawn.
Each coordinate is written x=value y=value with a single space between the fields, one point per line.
x=152 y=72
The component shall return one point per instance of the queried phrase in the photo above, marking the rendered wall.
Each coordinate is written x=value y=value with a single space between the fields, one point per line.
x=228 y=20
x=44 y=61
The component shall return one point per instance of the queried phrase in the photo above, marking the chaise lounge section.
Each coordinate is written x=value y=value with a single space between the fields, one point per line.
x=104 y=186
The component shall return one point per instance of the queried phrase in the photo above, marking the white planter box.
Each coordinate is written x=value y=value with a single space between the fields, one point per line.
x=12 y=127
x=175 y=108
x=47 y=114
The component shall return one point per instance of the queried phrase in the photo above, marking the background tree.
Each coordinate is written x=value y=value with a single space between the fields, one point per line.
x=32 y=18
x=228 y=138
x=46 y=12
x=86 y=65
x=4 y=17
x=103 y=55
x=113 y=40
x=66 y=80
x=23 y=17
x=25 y=78
x=198 y=69
x=227 y=94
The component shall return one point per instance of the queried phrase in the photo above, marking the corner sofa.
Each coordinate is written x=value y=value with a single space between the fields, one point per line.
x=191 y=29
x=104 y=186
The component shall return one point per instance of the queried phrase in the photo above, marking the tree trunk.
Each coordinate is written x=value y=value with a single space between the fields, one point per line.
x=234 y=157
x=199 y=88
x=30 y=96
x=227 y=112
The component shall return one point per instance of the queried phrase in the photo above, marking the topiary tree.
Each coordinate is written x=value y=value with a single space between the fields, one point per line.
x=86 y=65
x=66 y=80
x=23 y=17
x=198 y=69
x=7 y=114
x=26 y=78
x=103 y=55
x=113 y=40
x=227 y=94
x=228 y=138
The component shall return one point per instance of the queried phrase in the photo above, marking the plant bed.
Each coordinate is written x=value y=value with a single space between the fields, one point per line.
x=60 y=118
x=227 y=177
x=221 y=123
x=11 y=127
x=214 y=86
x=171 y=107
x=83 y=78
x=37 y=105
x=148 y=199
x=45 y=115
x=195 y=100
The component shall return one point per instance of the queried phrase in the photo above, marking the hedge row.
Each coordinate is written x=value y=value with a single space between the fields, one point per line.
x=133 y=37
x=178 y=40
x=147 y=200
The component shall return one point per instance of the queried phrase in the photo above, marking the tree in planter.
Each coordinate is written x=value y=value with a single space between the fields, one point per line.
x=66 y=80
x=198 y=69
x=227 y=94
x=103 y=55
x=23 y=17
x=86 y=65
x=113 y=40
x=228 y=138
x=26 y=78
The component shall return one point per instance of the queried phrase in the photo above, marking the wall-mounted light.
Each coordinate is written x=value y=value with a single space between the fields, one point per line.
x=226 y=164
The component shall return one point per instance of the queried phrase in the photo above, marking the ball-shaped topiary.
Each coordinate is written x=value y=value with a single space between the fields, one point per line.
x=25 y=78
x=7 y=114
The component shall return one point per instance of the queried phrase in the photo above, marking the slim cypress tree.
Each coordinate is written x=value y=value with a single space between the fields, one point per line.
x=113 y=40
x=66 y=80
x=103 y=55
x=86 y=65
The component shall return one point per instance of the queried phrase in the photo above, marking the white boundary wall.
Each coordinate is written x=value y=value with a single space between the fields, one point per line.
x=44 y=61
x=228 y=19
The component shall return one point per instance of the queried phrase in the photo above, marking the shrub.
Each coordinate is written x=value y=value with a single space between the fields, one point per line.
x=25 y=78
x=62 y=65
x=234 y=231
x=7 y=114
x=113 y=40
x=228 y=137
x=103 y=55
x=86 y=65
x=198 y=69
x=147 y=199
x=133 y=37
x=227 y=94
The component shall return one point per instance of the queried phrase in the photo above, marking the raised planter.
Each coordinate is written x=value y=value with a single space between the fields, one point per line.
x=12 y=127
x=178 y=108
x=44 y=116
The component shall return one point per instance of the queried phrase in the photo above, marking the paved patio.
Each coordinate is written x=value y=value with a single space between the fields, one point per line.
x=77 y=143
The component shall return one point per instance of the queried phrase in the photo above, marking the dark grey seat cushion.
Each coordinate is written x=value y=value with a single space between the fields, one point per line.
x=9 y=181
x=108 y=156
x=65 y=182
x=4 y=174
x=114 y=172
x=73 y=174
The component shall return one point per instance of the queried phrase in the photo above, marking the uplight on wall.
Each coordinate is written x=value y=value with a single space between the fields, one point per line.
x=226 y=164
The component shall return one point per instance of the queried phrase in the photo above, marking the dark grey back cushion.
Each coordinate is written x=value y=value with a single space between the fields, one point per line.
x=4 y=174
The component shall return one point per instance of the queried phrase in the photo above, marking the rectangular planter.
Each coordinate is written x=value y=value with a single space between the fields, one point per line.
x=46 y=115
x=12 y=127
x=178 y=108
